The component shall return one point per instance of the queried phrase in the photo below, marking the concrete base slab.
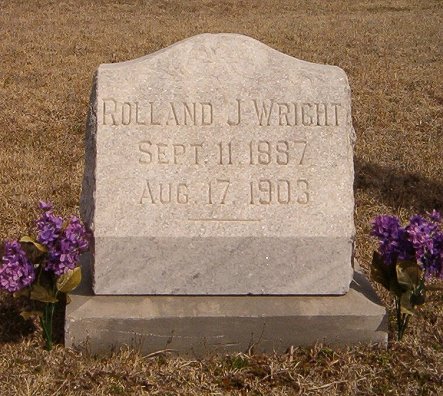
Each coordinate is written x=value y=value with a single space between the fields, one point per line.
x=202 y=325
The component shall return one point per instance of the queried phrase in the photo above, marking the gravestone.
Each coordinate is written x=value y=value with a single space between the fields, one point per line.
x=219 y=187
x=222 y=166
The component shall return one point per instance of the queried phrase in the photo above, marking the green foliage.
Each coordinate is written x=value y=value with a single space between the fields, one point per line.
x=408 y=273
x=380 y=272
x=69 y=280
x=405 y=281
x=30 y=314
x=39 y=246
x=42 y=294
x=238 y=362
x=22 y=293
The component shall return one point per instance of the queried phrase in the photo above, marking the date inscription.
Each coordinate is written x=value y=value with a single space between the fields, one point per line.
x=224 y=191
x=229 y=156
x=253 y=152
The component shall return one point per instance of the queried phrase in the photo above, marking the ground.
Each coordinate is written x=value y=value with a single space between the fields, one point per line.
x=391 y=51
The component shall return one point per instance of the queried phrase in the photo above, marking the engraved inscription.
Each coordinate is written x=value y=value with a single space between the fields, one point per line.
x=280 y=191
x=258 y=152
x=169 y=153
x=218 y=191
x=165 y=193
x=116 y=113
x=225 y=153
x=271 y=113
x=237 y=117
x=262 y=113
x=282 y=152
x=303 y=187
x=224 y=191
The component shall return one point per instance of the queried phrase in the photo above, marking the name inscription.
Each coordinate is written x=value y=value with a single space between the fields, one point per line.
x=239 y=112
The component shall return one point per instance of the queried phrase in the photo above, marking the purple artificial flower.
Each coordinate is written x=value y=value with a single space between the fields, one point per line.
x=16 y=271
x=393 y=239
x=427 y=240
x=419 y=231
x=45 y=205
x=65 y=253
x=385 y=226
x=435 y=216
x=436 y=267
x=49 y=226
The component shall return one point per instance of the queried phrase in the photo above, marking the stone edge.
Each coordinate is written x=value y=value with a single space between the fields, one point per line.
x=202 y=325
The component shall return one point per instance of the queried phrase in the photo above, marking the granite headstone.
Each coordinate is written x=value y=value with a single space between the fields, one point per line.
x=220 y=166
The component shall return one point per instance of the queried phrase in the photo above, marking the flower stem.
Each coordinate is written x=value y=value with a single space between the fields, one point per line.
x=46 y=322
x=402 y=320
x=399 y=318
x=405 y=320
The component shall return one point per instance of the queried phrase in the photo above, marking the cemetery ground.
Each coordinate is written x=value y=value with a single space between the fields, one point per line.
x=391 y=52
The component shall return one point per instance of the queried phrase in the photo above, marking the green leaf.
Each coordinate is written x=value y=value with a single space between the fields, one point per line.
x=69 y=280
x=395 y=288
x=40 y=293
x=418 y=297
x=406 y=305
x=22 y=293
x=30 y=314
x=379 y=271
x=28 y=239
x=408 y=274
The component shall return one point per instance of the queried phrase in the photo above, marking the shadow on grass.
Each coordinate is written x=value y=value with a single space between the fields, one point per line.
x=398 y=189
x=12 y=326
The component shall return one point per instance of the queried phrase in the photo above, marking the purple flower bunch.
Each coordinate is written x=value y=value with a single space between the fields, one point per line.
x=64 y=244
x=421 y=240
x=60 y=252
x=16 y=271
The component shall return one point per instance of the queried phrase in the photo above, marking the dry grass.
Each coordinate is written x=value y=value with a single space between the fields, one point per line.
x=317 y=371
x=391 y=52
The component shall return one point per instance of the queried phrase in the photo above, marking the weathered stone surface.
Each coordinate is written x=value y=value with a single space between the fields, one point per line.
x=220 y=166
x=205 y=324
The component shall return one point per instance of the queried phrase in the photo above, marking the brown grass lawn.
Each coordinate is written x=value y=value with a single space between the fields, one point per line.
x=391 y=51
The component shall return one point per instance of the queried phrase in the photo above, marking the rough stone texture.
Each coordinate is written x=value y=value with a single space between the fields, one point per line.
x=187 y=197
x=205 y=324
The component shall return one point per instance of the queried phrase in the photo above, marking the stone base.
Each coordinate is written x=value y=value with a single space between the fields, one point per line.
x=201 y=325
